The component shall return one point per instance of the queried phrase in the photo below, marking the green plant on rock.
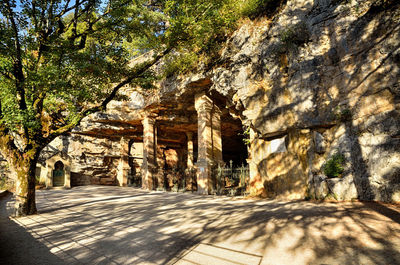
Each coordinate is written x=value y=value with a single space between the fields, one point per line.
x=334 y=167
x=3 y=182
x=342 y=114
x=246 y=135
x=294 y=35
x=256 y=8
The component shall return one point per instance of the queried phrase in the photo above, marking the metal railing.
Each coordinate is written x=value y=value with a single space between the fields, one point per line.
x=231 y=180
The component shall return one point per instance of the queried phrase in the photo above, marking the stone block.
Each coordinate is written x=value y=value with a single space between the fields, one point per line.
x=342 y=189
x=320 y=187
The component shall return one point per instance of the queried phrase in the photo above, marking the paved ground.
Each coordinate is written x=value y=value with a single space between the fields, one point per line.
x=112 y=225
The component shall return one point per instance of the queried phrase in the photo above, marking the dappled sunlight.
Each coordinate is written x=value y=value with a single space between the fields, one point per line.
x=131 y=226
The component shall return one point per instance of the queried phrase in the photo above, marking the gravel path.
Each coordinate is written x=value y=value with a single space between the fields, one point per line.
x=114 y=225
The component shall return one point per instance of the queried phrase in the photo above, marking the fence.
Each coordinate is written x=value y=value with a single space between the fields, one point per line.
x=232 y=180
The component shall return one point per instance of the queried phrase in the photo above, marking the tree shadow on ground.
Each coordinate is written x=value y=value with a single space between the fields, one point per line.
x=18 y=246
x=162 y=228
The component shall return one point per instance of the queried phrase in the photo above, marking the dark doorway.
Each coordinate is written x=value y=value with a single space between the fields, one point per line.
x=58 y=174
x=234 y=146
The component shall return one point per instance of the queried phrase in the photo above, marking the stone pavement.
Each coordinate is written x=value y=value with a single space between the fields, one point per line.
x=114 y=225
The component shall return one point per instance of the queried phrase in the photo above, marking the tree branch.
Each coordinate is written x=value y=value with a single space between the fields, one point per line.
x=67 y=9
x=34 y=13
x=18 y=69
x=18 y=72
x=138 y=72
x=7 y=146
x=6 y=75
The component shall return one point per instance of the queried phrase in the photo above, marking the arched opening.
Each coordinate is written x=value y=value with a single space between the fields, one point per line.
x=58 y=174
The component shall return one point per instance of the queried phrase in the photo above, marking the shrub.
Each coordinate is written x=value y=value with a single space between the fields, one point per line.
x=246 y=135
x=342 y=114
x=295 y=35
x=257 y=8
x=334 y=167
x=181 y=64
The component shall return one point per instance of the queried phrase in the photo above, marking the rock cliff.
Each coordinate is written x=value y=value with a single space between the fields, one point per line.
x=325 y=75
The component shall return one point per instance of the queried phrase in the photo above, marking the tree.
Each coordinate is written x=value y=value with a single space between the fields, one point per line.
x=61 y=60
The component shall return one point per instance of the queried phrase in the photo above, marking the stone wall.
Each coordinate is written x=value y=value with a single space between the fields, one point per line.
x=279 y=165
x=94 y=160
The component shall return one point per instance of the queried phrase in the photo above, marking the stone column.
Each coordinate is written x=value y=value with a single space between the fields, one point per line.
x=256 y=155
x=123 y=164
x=67 y=176
x=204 y=106
x=49 y=173
x=190 y=158
x=216 y=135
x=216 y=182
x=149 y=165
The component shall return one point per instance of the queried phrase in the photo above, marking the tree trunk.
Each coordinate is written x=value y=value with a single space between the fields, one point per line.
x=24 y=171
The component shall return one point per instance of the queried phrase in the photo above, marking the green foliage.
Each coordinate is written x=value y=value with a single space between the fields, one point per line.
x=202 y=37
x=255 y=8
x=294 y=35
x=246 y=135
x=181 y=63
x=342 y=114
x=57 y=61
x=334 y=167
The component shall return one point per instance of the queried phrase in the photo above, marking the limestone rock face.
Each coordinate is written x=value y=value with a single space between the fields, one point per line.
x=320 y=189
x=342 y=189
x=94 y=160
x=333 y=67
x=319 y=142
x=346 y=64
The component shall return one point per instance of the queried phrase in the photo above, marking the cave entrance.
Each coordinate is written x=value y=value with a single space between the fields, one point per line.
x=227 y=142
x=232 y=177
x=234 y=139
x=233 y=135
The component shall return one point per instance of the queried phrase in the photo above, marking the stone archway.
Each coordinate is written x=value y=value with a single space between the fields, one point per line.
x=58 y=174
x=58 y=171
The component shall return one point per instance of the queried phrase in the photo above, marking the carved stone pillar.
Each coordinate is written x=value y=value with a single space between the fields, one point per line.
x=123 y=164
x=203 y=105
x=216 y=146
x=149 y=165
x=209 y=142
x=216 y=135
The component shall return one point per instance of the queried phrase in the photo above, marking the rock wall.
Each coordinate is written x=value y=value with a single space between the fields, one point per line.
x=94 y=160
x=278 y=166
x=331 y=68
